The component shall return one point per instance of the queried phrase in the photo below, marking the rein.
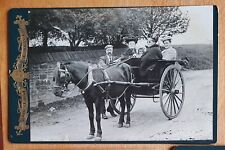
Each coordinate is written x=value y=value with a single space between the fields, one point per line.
x=103 y=69
x=89 y=70
x=83 y=78
x=71 y=77
x=119 y=62
x=87 y=73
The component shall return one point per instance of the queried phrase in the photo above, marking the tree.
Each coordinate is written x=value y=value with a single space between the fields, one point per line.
x=40 y=24
x=75 y=23
x=58 y=23
x=106 y=25
x=103 y=26
x=157 y=21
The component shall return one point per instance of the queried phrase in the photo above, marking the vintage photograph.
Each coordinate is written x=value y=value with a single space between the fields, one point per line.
x=121 y=74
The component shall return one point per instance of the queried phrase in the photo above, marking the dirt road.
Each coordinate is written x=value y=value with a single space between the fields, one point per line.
x=148 y=122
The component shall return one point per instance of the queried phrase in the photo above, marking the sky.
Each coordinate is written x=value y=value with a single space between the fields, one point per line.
x=200 y=30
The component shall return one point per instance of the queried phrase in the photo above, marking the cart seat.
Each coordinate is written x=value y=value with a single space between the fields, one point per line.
x=154 y=72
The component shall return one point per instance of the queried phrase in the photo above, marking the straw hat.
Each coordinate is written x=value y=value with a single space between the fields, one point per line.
x=128 y=39
x=108 y=46
x=164 y=38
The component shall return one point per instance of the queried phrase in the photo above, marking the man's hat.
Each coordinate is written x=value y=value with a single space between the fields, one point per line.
x=164 y=38
x=128 y=39
x=108 y=46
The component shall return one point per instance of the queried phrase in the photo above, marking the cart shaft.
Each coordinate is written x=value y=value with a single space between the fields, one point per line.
x=125 y=83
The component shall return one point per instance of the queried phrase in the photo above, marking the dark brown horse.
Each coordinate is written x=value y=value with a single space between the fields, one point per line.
x=81 y=75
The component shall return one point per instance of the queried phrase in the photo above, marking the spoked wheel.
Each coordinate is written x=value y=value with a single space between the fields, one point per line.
x=116 y=104
x=171 y=91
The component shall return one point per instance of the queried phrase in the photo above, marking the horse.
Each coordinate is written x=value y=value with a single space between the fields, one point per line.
x=85 y=78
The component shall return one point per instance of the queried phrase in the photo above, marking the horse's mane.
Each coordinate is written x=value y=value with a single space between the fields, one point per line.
x=80 y=65
x=75 y=63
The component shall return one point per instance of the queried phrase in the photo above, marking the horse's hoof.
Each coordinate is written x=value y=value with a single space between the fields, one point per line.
x=90 y=137
x=98 y=138
x=120 y=125
x=127 y=125
x=104 y=116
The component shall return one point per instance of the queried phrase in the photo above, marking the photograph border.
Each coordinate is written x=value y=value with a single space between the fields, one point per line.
x=25 y=138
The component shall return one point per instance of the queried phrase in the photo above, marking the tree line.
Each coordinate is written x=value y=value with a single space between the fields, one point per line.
x=105 y=25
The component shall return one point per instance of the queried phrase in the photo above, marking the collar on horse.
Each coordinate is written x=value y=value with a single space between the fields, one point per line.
x=90 y=80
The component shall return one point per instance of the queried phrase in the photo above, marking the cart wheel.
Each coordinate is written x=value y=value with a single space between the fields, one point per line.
x=116 y=104
x=171 y=91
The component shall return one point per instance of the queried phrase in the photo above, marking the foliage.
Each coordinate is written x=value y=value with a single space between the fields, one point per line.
x=40 y=24
x=105 y=25
x=160 y=21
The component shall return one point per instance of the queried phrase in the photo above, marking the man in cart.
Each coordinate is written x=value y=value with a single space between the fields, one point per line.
x=104 y=62
x=108 y=59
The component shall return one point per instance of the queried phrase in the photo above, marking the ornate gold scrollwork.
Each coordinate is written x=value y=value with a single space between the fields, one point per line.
x=20 y=75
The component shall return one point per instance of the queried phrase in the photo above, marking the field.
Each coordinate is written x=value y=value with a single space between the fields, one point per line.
x=200 y=56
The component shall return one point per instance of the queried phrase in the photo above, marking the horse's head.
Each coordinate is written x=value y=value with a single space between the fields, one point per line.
x=75 y=72
x=61 y=79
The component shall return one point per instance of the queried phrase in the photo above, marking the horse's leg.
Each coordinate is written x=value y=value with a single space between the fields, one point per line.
x=122 y=105
x=128 y=102
x=98 y=104
x=91 y=118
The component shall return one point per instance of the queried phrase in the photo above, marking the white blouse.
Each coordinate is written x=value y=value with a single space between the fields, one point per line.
x=169 y=54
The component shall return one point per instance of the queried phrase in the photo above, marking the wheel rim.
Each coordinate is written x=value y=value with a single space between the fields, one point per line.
x=117 y=107
x=172 y=92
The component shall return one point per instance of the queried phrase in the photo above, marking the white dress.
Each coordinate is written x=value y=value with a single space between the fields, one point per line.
x=169 y=54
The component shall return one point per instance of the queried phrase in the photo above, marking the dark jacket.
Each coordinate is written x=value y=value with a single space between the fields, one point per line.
x=152 y=53
x=128 y=54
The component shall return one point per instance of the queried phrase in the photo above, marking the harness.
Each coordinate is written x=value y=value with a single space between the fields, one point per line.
x=91 y=81
x=106 y=77
x=110 y=82
x=108 y=86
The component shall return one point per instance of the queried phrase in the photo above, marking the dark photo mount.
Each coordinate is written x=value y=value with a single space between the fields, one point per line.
x=165 y=92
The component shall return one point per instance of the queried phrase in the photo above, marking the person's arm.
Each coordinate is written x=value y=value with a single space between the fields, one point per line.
x=116 y=60
x=123 y=57
x=101 y=63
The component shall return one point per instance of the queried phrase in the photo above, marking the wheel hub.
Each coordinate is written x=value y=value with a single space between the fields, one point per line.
x=174 y=91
